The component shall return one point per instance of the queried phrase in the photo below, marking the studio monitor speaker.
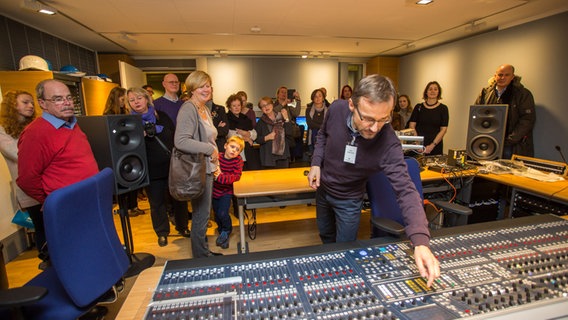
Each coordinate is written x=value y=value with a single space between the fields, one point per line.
x=486 y=131
x=117 y=142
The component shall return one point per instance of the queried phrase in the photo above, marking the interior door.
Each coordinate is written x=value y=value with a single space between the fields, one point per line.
x=130 y=76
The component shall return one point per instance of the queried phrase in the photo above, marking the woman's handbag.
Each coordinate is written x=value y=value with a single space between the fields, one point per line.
x=187 y=175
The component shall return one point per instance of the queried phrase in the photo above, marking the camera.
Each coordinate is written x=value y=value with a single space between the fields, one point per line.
x=150 y=129
x=290 y=94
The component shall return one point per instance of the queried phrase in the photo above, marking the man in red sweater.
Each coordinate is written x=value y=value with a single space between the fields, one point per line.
x=53 y=152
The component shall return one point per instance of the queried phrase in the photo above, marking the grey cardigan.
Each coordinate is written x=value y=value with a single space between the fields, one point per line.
x=187 y=138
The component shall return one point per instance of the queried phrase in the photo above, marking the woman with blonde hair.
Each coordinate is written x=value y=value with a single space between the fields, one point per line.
x=159 y=140
x=196 y=133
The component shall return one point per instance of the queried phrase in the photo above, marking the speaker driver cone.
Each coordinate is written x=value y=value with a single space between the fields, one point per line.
x=130 y=169
x=484 y=147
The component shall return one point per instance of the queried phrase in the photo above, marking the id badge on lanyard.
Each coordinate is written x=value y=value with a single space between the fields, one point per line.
x=350 y=152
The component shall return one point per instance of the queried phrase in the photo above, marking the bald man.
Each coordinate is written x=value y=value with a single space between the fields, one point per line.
x=505 y=88
x=169 y=103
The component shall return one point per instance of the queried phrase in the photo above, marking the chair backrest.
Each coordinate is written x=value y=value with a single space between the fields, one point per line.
x=84 y=247
x=382 y=197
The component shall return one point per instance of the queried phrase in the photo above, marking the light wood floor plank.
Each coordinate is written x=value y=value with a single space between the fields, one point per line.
x=277 y=228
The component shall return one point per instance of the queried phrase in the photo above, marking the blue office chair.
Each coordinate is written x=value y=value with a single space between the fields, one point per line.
x=386 y=216
x=87 y=257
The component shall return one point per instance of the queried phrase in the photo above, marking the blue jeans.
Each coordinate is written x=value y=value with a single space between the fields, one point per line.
x=221 y=208
x=337 y=219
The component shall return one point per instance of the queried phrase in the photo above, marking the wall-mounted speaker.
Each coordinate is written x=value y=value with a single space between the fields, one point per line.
x=486 y=131
x=117 y=142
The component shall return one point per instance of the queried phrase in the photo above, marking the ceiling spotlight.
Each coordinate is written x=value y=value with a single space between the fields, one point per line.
x=304 y=56
x=255 y=29
x=37 y=6
x=474 y=26
x=424 y=2
x=47 y=10
x=127 y=37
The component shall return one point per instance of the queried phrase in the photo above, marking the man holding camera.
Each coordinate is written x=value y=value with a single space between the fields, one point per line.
x=289 y=99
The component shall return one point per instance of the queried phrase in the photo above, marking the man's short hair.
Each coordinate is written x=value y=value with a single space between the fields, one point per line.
x=375 y=88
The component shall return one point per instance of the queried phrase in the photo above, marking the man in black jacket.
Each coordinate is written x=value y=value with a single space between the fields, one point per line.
x=506 y=88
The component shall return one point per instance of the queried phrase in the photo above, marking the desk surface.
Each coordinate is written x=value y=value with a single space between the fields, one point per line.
x=293 y=180
x=140 y=295
x=272 y=182
x=553 y=190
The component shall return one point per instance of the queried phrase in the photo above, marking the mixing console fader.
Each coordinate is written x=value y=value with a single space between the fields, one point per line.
x=484 y=274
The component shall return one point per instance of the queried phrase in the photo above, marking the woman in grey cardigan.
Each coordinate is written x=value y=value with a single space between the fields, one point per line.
x=195 y=133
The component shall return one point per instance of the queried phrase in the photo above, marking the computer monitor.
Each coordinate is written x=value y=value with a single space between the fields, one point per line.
x=301 y=120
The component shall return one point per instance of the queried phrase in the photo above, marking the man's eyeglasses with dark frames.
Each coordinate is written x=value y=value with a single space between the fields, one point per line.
x=59 y=99
x=371 y=122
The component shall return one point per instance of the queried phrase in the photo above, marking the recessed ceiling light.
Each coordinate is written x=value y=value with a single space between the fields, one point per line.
x=424 y=2
x=36 y=6
x=47 y=10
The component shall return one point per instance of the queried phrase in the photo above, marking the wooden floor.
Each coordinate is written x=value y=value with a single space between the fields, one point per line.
x=277 y=228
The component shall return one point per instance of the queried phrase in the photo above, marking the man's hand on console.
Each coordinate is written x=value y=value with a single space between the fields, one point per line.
x=427 y=264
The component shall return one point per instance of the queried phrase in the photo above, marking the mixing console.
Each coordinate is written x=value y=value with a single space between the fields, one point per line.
x=483 y=274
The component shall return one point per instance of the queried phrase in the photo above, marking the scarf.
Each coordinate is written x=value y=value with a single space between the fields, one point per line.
x=313 y=110
x=279 y=142
x=150 y=116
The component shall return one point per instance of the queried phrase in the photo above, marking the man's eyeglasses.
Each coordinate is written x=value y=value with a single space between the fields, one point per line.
x=173 y=82
x=371 y=122
x=59 y=100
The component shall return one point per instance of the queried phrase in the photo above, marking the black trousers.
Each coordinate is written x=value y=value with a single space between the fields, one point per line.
x=158 y=192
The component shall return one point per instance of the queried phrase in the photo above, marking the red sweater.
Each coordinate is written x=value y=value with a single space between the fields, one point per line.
x=50 y=158
x=231 y=170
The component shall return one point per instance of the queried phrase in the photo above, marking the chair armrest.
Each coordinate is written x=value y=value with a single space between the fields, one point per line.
x=452 y=207
x=15 y=297
x=388 y=225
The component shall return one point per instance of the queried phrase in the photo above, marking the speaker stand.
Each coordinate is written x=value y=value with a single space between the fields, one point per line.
x=138 y=261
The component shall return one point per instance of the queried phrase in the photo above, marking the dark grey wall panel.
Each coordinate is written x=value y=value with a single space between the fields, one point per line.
x=18 y=40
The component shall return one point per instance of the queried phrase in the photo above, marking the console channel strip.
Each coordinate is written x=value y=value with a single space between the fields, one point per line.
x=483 y=274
